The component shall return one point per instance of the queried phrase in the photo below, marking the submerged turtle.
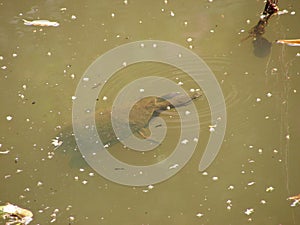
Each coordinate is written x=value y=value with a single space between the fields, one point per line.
x=140 y=115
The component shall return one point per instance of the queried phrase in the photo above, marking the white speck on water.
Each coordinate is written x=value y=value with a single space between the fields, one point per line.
x=86 y=79
x=124 y=64
x=251 y=183
x=270 y=189
x=19 y=171
x=260 y=150
x=74 y=97
x=145 y=191
x=1 y=57
x=81 y=170
x=187 y=113
x=248 y=21
x=14 y=55
x=249 y=211
x=104 y=98
x=263 y=202
x=191 y=46
x=189 y=39
x=267 y=117
x=288 y=137
x=125 y=2
x=49 y=53
x=172 y=13
x=154 y=45
x=230 y=187
x=4 y=67
x=21 y=96
x=166 y=1
x=242 y=31
x=76 y=178
x=185 y=23
x=150 y=186
x=199 y=215
x=8 y=118
x=4 y=152
x=142 y=90
x=173 y=166
x=269 y=94
x=215 y=178
x=84 y=182
x=282 y=12
x=185 y=141
x=113 y=15
x=179 y=55
x=275 y=151
x=195 y=139
x=258 y=99
x=211 y=31
x=39 y=183
x=56 y=142
x=142 y=45
x=293 y=13
x=180 y=83
x=212 y=128
x=73 y=17
x=205 y=173
x=228 y=201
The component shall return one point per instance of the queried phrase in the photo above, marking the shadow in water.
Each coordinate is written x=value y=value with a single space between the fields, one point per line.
x=262 y=47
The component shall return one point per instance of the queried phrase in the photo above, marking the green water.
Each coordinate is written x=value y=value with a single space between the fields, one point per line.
x=40 y=70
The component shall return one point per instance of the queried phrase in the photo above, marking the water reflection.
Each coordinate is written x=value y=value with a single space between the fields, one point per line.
x=259 y=151
x=261 y=47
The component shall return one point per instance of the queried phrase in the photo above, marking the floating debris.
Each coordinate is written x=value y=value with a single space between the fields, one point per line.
x=270 y=9
x=289 y=42
x=199 y=215
x=296 y=200
x=231 y=187
x=15 y=215
x=251 y=183
x=174 y=166
x=215 y=178
x=212 y=128
x=249 y=211
x=41 y=23
x=56 y=142
x=9 y=118
x=270 y=189
x=263 y=202
x=4 y=152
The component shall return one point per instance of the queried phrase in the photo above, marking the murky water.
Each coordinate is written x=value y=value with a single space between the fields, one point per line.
x=41 y=67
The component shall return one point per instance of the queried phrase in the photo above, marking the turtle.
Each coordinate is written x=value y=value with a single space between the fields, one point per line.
x=140 y=115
